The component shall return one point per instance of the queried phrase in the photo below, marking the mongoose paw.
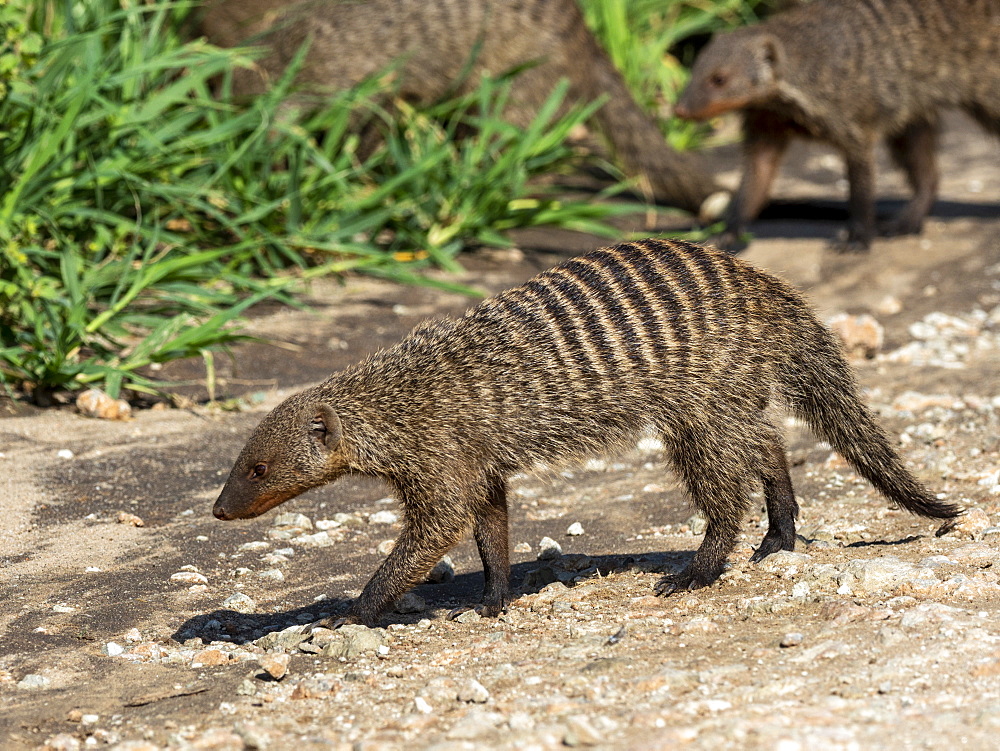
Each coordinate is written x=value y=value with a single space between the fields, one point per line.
x=731 y=242
x=850 y=242
x=900 y=226
x=485 y=610
x=334 y=623
x=686 y=580
x=771 y=544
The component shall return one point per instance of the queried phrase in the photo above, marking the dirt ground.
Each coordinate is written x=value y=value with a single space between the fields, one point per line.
x=874 y=634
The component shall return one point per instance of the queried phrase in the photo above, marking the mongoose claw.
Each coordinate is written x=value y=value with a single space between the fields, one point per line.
x=674 y=583
x=486 y=611
x=323 y=623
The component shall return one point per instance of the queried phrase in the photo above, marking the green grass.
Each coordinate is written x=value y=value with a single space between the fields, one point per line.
x=140 y=213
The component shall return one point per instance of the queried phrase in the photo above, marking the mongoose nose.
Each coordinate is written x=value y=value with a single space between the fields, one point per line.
x=682 y=111
x=219 y=512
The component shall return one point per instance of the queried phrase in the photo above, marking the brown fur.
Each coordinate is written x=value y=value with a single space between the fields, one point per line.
x=584 y=358
x=443 y=47
x=851 y=72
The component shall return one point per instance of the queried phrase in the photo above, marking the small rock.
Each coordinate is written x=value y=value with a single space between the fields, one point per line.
x=575 y=529
x=385 y=547
x=444 y=571
x=126 y=518
x=274 y=664
x=411 y=603
x=209 y=657
x=33 y=681
x=61 y=742
x=697 y=524
x=95 y=403
x=472 y=691
x=421 y=706
x=352 y=640
x=968 y=526
x=475 y=724
x=383 y=517
x=862 y=335
x=548 y=549
x=271 y=574
x=189 y=577
x=522 y=547
x=240 y=602
x=579 y=732
x=64 y=454
x=792 y=639
x=133 y=635
x=317 y=540
x=113 y=649
x=288 y=638
x=293 y=519
x=882 y=574
x=469 y=616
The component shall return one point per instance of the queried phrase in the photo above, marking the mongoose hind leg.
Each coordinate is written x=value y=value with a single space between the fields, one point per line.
x=491 y=535
x=779 y=497
x=914 y=150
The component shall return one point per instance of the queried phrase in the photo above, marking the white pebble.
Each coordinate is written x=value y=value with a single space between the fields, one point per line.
x=420 y=705
x=548 y=549
x=113 y=649
x=383 y=517
x=65 y=454
x=575 y=529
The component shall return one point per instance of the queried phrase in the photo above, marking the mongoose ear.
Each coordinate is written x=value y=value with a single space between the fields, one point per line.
x=771 y=55
x=324 y=425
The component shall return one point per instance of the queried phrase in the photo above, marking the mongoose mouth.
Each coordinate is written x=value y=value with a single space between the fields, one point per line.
x=259 y=506
x=708 y=111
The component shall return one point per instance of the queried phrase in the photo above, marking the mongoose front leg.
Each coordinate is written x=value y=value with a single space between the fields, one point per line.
x=763 y=149
x=861 y=203
x=491 y=536
x=914 y=151
x=782 y=508
x=425 y=539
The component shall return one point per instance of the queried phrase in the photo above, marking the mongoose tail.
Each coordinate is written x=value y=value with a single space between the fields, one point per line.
x=821 y=389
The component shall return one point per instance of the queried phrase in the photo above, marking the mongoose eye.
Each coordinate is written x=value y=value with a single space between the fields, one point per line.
x=258 y=471
x=718 y=80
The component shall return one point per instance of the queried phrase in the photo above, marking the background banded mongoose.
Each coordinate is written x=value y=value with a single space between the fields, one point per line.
x=583 y=358
x=444 y=46
x=851 y=72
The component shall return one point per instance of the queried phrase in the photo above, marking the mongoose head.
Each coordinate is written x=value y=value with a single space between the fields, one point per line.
x=298 y=446
x=734 y=71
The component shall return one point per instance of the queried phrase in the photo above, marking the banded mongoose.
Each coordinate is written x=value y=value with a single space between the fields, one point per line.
x=850 y=73
x=688 y=341
x=444 y=46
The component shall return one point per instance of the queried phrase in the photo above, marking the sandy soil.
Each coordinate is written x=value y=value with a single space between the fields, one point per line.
x=874 y=634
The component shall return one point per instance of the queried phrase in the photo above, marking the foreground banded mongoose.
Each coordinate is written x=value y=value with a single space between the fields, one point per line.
x=851 y=73
x=687 y=341
x=443 y=47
